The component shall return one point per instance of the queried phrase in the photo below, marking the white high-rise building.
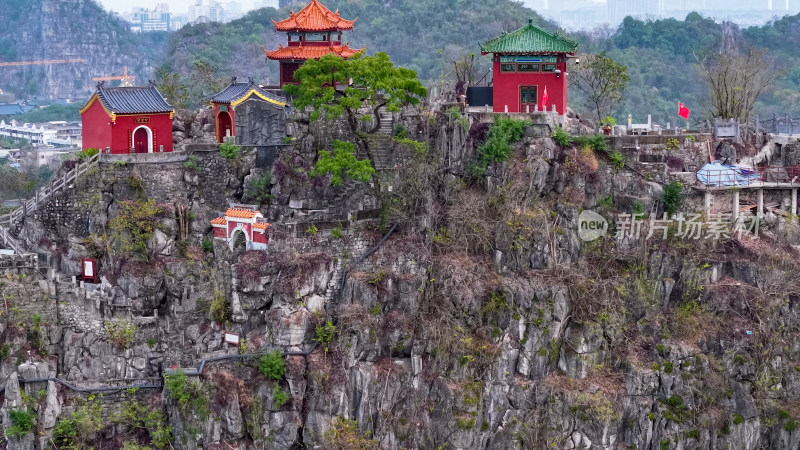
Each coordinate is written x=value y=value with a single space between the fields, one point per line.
x=206 y=11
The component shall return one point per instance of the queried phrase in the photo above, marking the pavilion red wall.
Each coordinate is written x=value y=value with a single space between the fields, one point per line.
x=159 y=124
x=96 y=130
x=261 y=238
x=287 y=71
x=506 y=88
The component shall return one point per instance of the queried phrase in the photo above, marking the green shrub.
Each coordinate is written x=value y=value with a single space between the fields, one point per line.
x=673 y=144
x=596 y=142
x=259 y=189
x=336 y=233
x=617 y=160
x=142 y=417
x=208 y=245
x=737 y=419
x=190 y=396
x=88 y=153
x=672 y=197
x=81 y=427
x=375 y=310
x=561 y=137
x=325 y=334
x=191 y=163
x=121 y=333
x=134 y=224
x=5 y=350
x=312 y=230
x=497 y=147
x=229 y=151
x=135 y=183
x=21 y=423
x=218 y=308
x=280 y=397
x=344 y=434
x=272 y=365
x=400 y=132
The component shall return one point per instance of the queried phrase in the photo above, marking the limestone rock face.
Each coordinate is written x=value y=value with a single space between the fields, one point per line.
x=260 y=123
x=482 y=321
x=74 y=29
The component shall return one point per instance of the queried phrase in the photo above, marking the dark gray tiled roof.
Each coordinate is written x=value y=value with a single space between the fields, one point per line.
x=235 y=91
x=133 y=100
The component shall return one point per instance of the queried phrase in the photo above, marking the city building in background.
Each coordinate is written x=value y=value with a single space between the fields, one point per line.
x=48 y=134
x=588 y=14
x=144 y=20
x=206 y=11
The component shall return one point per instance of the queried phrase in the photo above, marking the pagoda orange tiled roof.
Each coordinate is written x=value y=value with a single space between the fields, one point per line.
x=219 y=221
x=314 y=17
x=311 y=52
x=261 y=226
x=241 y=213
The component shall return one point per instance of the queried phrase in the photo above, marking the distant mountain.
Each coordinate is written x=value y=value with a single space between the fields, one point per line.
x=425 y=35
x=33 y=30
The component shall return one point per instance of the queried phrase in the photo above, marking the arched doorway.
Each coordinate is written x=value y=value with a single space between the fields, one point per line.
x=239 y=241
x=224 y=125
x=143 y=140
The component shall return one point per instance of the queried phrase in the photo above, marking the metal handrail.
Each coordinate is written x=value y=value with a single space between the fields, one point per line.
x=777 y=174
x=45 y=192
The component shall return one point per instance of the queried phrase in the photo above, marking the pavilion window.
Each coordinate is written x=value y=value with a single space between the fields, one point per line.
x=508 y=67
x=548 y=67
x=294 y=37
x=316 y=37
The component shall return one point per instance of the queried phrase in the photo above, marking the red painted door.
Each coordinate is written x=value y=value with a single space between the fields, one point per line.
x=224 y=126
x=528 y=96
x=140 y=141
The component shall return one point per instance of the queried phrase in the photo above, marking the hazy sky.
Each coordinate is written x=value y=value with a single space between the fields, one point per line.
x=175 y=6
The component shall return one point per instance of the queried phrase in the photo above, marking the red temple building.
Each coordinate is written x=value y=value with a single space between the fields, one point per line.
x=313 y=32
x=127 y=120
x=530 y=70
x=242 y=225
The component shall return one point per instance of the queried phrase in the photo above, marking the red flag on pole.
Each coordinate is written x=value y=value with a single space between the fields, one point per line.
x=544 y=99
x=683 y=111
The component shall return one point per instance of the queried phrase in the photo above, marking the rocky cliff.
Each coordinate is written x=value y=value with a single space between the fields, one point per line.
x=69 y=29
x=480 y=320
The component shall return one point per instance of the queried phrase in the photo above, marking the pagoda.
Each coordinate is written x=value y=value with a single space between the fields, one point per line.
x=530 y=70
x=313 y=32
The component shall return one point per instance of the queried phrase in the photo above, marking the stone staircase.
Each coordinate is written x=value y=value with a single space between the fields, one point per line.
x=347 y=189
x=57 y=184
x=380 y=149
x=387 y=123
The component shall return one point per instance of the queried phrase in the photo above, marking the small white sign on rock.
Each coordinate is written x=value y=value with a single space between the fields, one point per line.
x=232 y=338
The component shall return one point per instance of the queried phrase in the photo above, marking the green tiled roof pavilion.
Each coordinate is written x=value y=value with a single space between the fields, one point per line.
x=529 y=39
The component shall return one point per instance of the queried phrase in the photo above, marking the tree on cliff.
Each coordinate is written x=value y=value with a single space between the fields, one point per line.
x=338 y=86
x=736 y=79
x=601 y=80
